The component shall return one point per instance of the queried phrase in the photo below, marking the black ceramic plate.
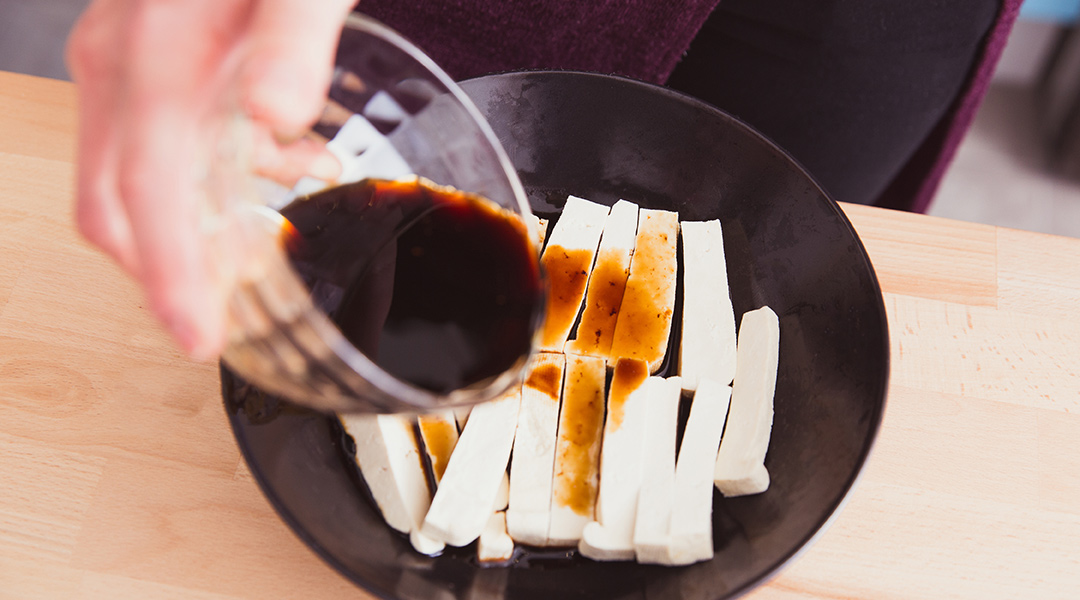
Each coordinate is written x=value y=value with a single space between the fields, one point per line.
x=788 y=246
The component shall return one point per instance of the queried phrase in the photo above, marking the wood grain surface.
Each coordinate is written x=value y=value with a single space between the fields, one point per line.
x=119 y=477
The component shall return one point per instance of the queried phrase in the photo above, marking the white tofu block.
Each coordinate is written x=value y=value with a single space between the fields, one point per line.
x=577 y=449
x=356 y=135
x=691 y=515
x=495 y=546
x=502 y=499
x=389 y=459
x=740 y=463
x=611 y=535
x=462 y=504
x=533 y=459
x=388 y=455
x=652 y=525
x=568 y=259
x=649 y=299
x=708 y=319
x=606 y=283
x=383 y=107
x=380 y=161
x=440 y=434
x=425 y=545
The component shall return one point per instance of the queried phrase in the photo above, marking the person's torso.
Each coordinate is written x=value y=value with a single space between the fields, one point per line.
x=643 y=39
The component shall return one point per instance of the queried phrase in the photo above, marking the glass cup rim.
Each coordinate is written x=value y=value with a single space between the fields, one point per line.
x=399 y=393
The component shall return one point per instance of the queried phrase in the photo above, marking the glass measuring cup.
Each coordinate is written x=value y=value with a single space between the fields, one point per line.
x=391 y=114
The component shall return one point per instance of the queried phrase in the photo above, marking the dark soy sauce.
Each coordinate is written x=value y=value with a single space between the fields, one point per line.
x=439 y=288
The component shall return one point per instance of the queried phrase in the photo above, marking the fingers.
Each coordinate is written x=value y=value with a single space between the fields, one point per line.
x=286 y=164
x=167 y=101
x=151 y=75
x=159 y=200
x=95 y=65
x=291 y=61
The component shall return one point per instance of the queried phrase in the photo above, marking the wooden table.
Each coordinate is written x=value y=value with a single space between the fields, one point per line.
x=119 y=477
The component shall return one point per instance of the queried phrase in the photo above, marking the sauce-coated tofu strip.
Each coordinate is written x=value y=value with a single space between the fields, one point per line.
x=440 y=434
x=607 y=283
x=463 y=503
x=708 y=320
x=691 y=516
x=740 y=463
x=529 y=514
x=541 y=233
x=568 y=259
x=611 y=535
x=577 y=449
x=652 y=526
x=649 y=299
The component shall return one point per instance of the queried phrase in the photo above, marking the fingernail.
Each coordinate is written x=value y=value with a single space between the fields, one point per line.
x=325 y=167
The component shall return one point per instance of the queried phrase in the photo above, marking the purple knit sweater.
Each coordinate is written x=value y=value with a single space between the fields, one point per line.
x=643 y=39
x=913 y=189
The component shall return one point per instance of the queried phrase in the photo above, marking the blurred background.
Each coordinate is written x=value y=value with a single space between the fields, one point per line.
x=1018 y=167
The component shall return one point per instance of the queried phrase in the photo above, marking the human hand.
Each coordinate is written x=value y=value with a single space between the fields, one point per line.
x=152 y=76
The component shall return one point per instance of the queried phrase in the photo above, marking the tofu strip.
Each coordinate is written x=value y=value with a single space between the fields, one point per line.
x=607 y=283
x=577 y=449
x=502 y=499
x=440 y=434
x=531 y=466
x=708 y=319
x=652 y=525
x=740 y=463
x=691 y=516
x=541 y=233
x=611 y=535
x=495 y=546
x=648 y=302
x=463 y=503
x=388 y=455
x=568 y=259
